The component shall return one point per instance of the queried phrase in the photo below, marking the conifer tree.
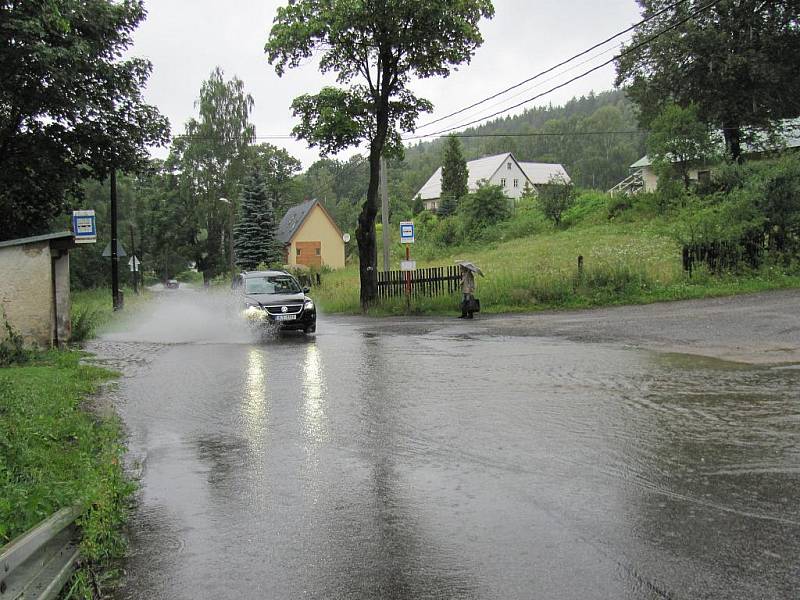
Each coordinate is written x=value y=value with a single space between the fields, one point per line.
x=255 y=233
x=454 y=176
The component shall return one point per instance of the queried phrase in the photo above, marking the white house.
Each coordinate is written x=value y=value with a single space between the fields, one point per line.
x=503 y=170
x=643 y=176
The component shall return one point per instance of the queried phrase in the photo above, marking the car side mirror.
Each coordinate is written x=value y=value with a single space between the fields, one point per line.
x=306 y=289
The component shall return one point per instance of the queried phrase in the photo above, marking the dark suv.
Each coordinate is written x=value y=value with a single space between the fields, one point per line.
x=276 y=298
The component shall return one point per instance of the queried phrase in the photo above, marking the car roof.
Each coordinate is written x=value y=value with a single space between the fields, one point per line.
x=249 y=274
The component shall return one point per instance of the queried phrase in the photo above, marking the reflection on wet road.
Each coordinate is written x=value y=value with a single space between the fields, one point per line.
x=366 y=463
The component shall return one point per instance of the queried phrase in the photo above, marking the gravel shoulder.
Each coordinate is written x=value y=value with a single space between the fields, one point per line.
x=761 y=328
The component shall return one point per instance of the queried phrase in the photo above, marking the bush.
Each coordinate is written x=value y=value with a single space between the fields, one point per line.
x=448 y=231
x=586 y=206
x=486 y=206
x=670 y=193
x=618 y=205
x=555 y=199
x=84 y=323
x=189 y=277
x=523 y=224
x=12 y=347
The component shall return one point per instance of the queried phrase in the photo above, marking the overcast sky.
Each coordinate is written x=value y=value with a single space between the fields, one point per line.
x=186 y=39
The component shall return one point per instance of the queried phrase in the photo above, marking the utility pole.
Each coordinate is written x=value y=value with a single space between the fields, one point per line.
x=384 y=185
x=231 y=265
x=134 y=269
x=114 y=246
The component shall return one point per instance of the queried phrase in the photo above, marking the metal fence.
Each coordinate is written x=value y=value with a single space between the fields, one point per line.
x=433 y=281
x=39 y=563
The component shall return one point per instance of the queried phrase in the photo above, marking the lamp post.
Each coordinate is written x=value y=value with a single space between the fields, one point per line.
x=230 y=234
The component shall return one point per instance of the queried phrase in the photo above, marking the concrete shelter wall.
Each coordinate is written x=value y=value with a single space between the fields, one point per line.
x=26 y=291
x=62 y=300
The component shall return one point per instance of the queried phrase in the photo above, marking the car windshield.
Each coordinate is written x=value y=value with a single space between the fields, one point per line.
x=271 y=284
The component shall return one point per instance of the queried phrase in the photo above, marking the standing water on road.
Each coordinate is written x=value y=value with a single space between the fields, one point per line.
x=437 y=462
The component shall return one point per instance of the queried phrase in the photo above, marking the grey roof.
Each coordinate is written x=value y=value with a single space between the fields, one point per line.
x=292 y=220
x=484 y=168
x=542 y=173
x=37 y=238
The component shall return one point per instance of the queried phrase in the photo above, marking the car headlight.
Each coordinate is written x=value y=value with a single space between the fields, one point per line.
x=253 y=312
x=308 y=304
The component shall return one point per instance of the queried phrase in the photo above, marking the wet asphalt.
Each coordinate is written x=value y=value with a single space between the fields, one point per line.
x=445 y=459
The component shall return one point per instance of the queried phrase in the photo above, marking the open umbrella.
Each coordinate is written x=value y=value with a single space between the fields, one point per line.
x=470 y=267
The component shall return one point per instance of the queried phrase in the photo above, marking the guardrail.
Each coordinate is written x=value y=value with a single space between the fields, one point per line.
x=38 y=563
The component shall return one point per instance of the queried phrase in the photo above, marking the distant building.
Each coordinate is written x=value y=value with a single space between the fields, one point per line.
x=34 y=288
x=503 y=170
x=644 y=178
x=311 y=237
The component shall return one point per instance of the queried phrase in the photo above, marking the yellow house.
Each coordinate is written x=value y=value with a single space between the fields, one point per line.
x=311 y=237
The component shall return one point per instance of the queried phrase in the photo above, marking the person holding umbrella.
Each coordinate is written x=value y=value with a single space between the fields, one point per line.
x=469 y=304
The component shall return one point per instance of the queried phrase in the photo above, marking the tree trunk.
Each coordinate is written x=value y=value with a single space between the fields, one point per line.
x=733 y=141
x=365 y=232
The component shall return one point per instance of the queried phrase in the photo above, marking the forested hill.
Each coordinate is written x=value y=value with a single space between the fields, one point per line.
x=596 y=160
x=593 y=161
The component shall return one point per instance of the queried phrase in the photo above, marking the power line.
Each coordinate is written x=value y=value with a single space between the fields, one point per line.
x=553 y=68
x=538 y=85
x=549 y=134
x=206 y=137
x=584 y=74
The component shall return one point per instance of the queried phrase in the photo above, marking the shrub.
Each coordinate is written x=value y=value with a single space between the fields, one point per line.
x=522 y=224
x=486 y=206
x=84 y=323
x=618 y=205
x=12 y=347
x=586 y=206
x=556 y=198
x=190 y=277
x=448 y=231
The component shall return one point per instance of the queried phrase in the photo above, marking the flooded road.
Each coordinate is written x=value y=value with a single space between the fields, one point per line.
x=446 y=459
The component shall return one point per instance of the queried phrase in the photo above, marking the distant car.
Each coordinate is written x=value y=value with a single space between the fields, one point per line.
x=172 y=284
x=276 y=298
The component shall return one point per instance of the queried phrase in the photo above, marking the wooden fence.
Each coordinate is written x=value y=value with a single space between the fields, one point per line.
x=719 y=256
x=433 y=281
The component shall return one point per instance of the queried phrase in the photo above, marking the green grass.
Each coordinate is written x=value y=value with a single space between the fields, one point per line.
x=92 y=310
x=624 y=263
x=55 y=453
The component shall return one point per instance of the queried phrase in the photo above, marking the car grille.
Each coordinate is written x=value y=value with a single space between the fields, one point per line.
x=291 y=309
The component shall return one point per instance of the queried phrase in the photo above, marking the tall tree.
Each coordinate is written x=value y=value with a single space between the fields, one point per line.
x=677 y=139
x=455 y=176
x=210 y=160
x=256 y=229
x=737 y=61
x=277 y=167
x=70 y=109
x=375 y=47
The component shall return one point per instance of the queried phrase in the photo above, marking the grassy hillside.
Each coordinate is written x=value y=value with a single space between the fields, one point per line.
x=633 y=257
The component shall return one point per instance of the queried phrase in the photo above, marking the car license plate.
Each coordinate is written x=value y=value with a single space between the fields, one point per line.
x=285 y=317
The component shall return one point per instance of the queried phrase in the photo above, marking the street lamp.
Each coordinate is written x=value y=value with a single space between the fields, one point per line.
x=230 y=234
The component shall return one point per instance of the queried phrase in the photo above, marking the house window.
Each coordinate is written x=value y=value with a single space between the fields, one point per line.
x=508 y=166
x=298 y=252
x=503 y=182
x=318 y=251
x=516 y=183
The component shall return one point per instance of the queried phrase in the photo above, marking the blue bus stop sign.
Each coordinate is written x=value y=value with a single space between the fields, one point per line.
x=84 y=226
x=406 y=232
